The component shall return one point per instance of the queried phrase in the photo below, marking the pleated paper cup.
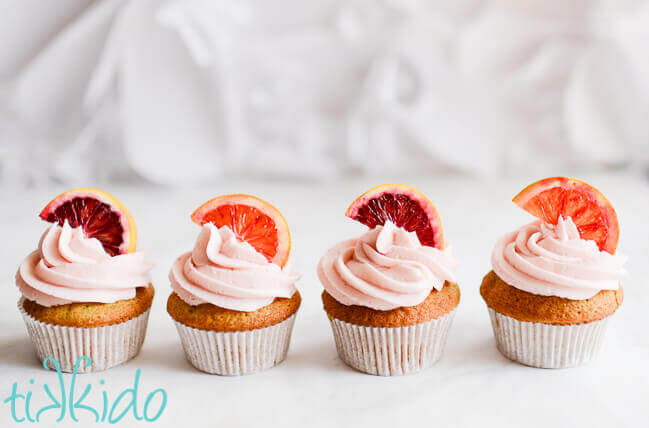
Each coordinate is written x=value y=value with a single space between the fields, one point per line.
x=392 y=351
x=238 y=352
x=106 y=346
x=547 y=345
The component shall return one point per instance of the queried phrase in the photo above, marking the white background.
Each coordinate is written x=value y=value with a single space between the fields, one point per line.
x=191 y=91
x=473 y=385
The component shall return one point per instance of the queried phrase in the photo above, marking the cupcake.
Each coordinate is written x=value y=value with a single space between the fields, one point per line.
x=555 y=282
x=234 y=298
x=390 y=294
x=86 y=291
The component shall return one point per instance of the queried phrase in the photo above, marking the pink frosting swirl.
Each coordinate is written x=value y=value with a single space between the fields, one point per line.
x=554 y=261
x=228 y=273
x=68 y=267
x=386 y=268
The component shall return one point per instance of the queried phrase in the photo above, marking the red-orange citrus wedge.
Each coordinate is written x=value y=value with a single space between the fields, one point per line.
x=591 y=212
x=252 y=220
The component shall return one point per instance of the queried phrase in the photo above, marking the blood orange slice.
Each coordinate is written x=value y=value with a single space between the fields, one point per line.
x=252 y=220
x=591 y=212
x=100 y=215
x=405 y=206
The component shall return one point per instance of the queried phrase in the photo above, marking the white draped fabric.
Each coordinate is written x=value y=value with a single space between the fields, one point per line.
x=178 y=91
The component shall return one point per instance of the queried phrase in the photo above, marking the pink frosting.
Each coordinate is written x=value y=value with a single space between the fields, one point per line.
x=554 y=261
x=386 y=268
x=68 y=267
x=228 y=273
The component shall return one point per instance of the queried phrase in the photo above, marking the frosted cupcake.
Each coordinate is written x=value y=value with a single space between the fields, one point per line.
x=234 y=298
x=85 y=290
x=390 y=294
x=556 y=282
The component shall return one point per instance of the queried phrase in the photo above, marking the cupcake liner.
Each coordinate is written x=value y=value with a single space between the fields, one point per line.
x=107 y=346
x=238 y=352
x=546 y=345
x=391 y=351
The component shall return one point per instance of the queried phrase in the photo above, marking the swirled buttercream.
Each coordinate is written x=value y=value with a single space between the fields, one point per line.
x=68 y=267
x=551 y=260
x=385 y=268
x=229 y=273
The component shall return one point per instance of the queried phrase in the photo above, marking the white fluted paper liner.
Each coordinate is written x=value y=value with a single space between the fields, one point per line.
x=237 y=352
x=546 y=345
x=392 y=351
x=107 y=346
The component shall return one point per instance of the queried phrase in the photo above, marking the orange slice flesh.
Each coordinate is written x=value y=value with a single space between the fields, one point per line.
x=252 y=220
x=405 y=206
x=100 y=214
x=591 y=212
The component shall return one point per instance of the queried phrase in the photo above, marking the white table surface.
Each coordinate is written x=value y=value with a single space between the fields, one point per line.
x=473 y=385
